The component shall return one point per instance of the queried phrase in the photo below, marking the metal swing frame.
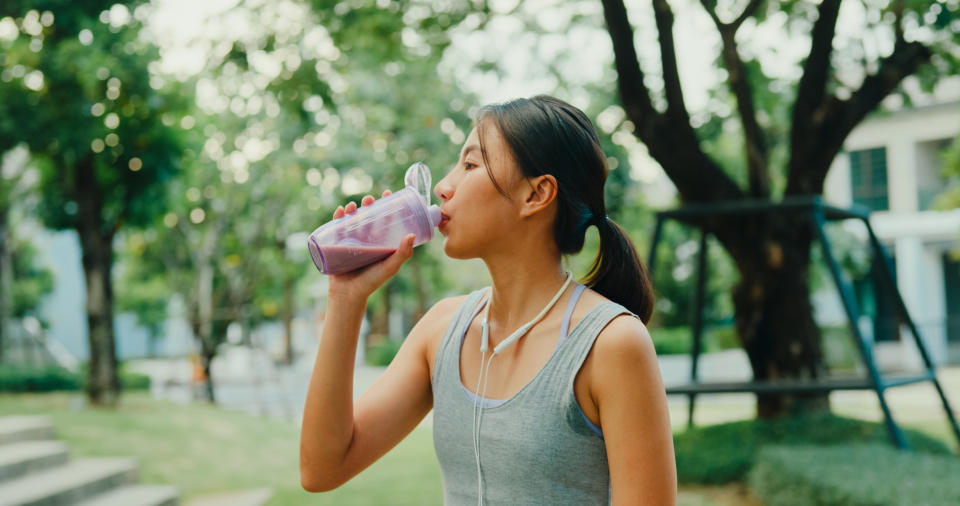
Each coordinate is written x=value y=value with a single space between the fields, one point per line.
x=820 y=213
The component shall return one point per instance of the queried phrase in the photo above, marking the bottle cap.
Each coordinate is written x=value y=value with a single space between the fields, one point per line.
x=434 y=215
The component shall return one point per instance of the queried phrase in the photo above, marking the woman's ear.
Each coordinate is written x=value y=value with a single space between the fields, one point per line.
x=541 y=193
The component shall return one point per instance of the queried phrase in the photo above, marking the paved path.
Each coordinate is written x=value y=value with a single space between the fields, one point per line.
x=249 y=381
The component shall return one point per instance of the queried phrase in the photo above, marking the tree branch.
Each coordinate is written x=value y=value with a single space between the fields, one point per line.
x=668 y=136
x=676 y=109
x=748 y=11
x=754 y=141
x=812 y=89
x=838 y=117
x=816 y=69
x=633 y=92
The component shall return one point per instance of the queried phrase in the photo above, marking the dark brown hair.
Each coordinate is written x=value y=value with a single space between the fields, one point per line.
x=550 y=136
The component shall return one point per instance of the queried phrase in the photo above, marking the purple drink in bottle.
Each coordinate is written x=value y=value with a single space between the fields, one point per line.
x=374 y=232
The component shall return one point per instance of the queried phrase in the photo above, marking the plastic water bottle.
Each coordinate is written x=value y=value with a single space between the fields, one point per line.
x=374 y=232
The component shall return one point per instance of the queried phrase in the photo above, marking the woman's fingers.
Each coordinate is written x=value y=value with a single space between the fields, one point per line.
x=351 y=207
x=404 y=251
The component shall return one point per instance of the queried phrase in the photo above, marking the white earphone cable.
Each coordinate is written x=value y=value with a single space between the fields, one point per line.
x=485 y=371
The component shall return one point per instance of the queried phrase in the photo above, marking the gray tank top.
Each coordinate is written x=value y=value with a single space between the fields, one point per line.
x=536 y=447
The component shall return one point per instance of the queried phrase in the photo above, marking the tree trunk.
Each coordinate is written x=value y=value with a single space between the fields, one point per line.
x=96 y=240
x=773 y=313
x=206 y=359
x=203 y=326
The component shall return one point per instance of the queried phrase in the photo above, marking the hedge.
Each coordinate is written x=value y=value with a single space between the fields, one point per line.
x=24 y=378
x=679 y=340
x=854 y=475
x=725 y=453
x=382 y=353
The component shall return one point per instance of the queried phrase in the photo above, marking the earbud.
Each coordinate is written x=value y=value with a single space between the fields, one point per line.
x=484 y=336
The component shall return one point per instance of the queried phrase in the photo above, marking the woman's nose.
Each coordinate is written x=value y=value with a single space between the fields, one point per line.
x=443 y=190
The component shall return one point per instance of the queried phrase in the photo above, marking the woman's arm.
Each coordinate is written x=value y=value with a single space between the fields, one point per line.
x=632 y=407
x=338 y=438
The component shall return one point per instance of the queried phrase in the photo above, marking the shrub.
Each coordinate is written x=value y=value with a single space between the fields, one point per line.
x=853 y=475
x=27 y=378
x=383 y=352
x=679 y=340
x=671 y=340
x=133 y=381
x=725 y=453
x=30 y=378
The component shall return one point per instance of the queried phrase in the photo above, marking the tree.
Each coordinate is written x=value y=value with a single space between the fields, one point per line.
x=77 y=91
x=22 y=284
x=773 y=313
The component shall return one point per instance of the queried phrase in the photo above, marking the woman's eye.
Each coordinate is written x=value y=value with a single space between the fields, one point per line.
x=468 y=166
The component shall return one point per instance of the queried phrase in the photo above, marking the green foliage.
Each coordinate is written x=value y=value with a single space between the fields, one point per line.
x=726 y=452
x=87 y=98
x=949 y=198
x=31 y=282
x=675 y=275
x=29 y=378
x=853 y=475
x=19 y=378
x=382 y=353
x=679 y=340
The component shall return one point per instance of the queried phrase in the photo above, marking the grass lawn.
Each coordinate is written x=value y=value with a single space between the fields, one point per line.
x=207 y=450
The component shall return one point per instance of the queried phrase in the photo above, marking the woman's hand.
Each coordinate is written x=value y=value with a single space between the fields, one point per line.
x=361 y=283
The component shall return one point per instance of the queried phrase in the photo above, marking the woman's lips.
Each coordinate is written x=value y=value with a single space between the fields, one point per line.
x=444 y=218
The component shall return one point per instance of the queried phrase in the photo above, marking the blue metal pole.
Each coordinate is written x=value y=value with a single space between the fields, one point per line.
x=850 y=306
x=697 y=325
x=902 y=309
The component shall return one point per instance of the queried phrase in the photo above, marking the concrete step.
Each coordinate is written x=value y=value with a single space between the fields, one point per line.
x=136 y=495
x=76 y=481
x=18 y=459
x=25 y=428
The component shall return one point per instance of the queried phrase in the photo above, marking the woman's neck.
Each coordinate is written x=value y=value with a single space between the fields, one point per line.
x=521 y=289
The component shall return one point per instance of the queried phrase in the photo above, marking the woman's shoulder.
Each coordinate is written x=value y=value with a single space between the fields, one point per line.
x=624 y=333
x=435 y=321
x=431 y=328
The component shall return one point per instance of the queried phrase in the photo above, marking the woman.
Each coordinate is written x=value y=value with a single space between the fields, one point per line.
x=544 y=391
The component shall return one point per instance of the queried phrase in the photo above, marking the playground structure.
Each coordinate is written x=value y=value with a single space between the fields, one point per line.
x=820 y=213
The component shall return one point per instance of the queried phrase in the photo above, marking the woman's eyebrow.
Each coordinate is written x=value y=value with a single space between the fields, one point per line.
x=468 y=149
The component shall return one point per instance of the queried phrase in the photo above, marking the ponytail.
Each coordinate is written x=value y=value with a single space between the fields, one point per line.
x=617 y=272
x=549 y=136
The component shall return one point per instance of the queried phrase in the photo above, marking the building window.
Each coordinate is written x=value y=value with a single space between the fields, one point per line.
x=951 y=281
x=868 y=174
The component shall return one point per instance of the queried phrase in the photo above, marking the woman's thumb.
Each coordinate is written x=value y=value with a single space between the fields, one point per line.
x=404 y=251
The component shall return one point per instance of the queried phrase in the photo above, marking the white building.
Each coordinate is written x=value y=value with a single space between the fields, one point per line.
x=893 y=164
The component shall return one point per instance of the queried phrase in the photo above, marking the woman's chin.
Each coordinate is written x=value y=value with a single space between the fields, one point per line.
x=452 y=251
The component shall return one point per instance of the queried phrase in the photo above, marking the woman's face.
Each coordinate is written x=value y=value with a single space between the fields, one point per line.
x=476 y=216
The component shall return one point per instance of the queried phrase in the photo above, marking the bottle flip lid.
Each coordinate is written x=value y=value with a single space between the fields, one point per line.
x=418 y=178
